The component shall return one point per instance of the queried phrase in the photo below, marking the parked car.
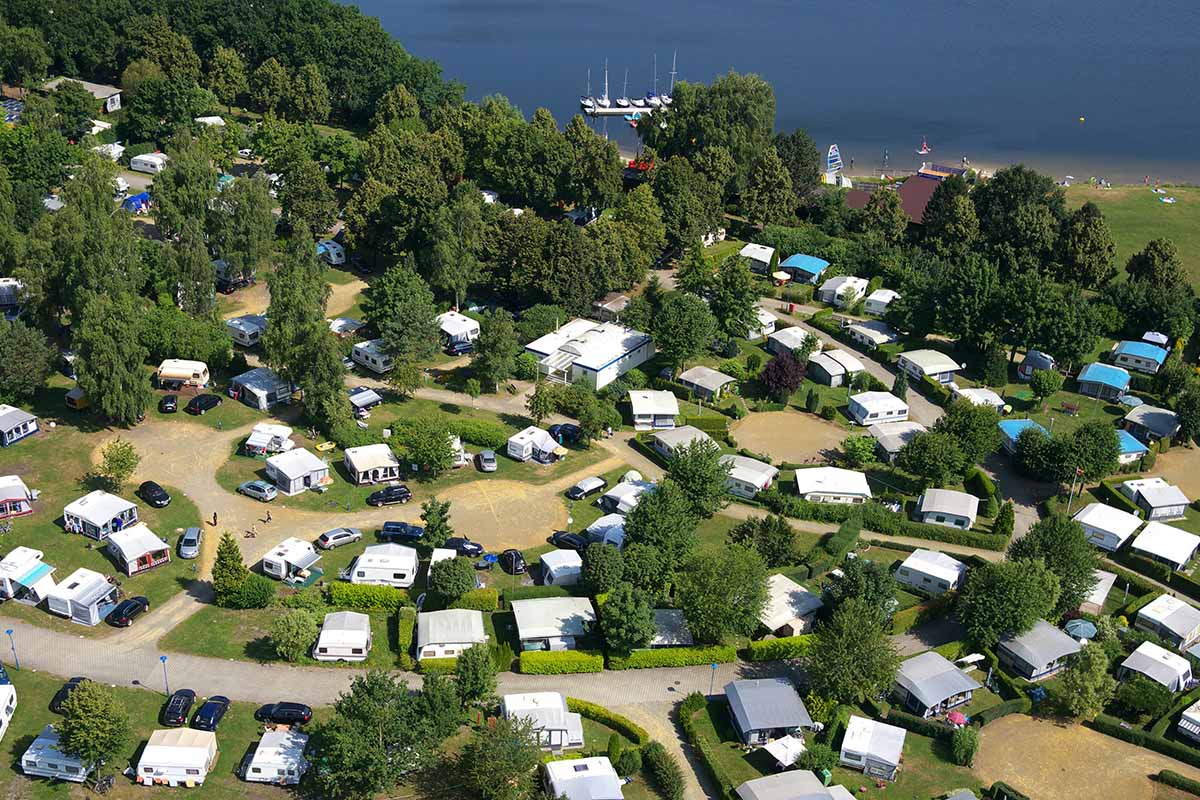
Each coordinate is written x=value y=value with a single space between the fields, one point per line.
x=338 y=537
x=63 y=693
x=127 y=611
x=513 y=562
x=389 y=496
x=154 y=494
x=210 y=714
x=203 y=403
x=485 y=461
x=565 y=433
x=464 y=546
x=586 y=488
x=284 y=713
x=179 y=705
x=169 y=404
x=348 y=363
x=400 y=532
x=189 y=543
x=459 y=348
x=565 y=540
x=245 y=152
x=259 y=490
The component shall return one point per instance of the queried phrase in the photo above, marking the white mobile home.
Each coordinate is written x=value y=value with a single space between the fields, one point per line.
x=705 y=383
x=667 y=443
x=372 y=355
x=1172 y=619
x=947 y=507
x=137 y=548
x=109 y=96
x=268 y=437
x=345 y=636
x=842 y=291
x=1037 y=653
x=583 y=779
x=980 y=396
x=791 y=609
x=872 y=408
x=99 y=514
x=446 y=634
x=877 y=302
x=247 y=329
x=872 y=333
x=760 y=257
x=8 y=706
x=372 y=463
x=457 y=327
x=1106 y=527
x=556 y=727
x=152 y=163
x=84 y=596
x=297 y=471
x=533 y=443
x=1160 y=500
x=589 y=352
x=832 y=485
x=553 y=623
x=561 y=568
x=44 y=759
x=748 y=476
x=278 y=758
x=764 y=327
x=15 y=498
x=873 y=747
x=291 y=560
x=932 y=364
x=15 y=424
x=653 y=409
x=385 y=565
x=931 y=573
x=1166 y=544
x=177 y=757
x=789 y=340
x=24 y=577
x=260 y=388
x=188 y=373
x=890 y=437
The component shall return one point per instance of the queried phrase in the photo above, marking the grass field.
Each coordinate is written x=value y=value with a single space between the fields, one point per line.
x=1136 y=216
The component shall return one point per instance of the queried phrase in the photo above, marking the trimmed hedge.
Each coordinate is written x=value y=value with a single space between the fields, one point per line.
x=480 y=432
x=924 y=727
x=1160 y=727
x=1172 y=778
x=693 y=704
x=1107 y=493
x=712 y=425
x=478 y=600
x=563 y=662
x=1137 y=604
x=779 y=649
x=674 y=657
x=622 y=725
x=1113 y=727
x=534 y=592
x=406 y=625
x=438 y=664
x=1002 y=791
x=366 y=598
x=664 y=771
x=837 y=726
x=1157 y=571
x=937 y=392
x=1002 y=710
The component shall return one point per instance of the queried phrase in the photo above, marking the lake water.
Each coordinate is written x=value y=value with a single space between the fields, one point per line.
x=997 y=81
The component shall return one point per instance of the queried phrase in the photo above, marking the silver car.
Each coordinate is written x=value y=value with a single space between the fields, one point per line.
x=189 y=543
x=486 y=461
x=259 y=490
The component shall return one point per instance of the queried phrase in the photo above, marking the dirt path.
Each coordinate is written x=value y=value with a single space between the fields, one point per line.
x=788 y=435
x=1052 y=761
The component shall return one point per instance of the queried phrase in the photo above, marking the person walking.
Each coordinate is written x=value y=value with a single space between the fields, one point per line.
x=214 y=519
x=268 y=516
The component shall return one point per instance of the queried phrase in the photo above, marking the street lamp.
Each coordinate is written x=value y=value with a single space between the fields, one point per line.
x=712 y=679
x=13 y=642
x=166 y=685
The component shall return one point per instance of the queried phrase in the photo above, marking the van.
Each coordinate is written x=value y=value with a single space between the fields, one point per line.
x=77 y=399
x=175 y=373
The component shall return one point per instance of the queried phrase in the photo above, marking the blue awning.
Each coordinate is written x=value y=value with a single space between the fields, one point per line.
x=34 y=575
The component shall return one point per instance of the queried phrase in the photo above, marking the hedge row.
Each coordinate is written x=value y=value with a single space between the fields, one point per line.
x=1011 y=688
x=1114 y=727
x=1019 y=706
x=1107 y=493
x=674 y=657
x=535 y=592
x=780 y=649
x=712 y=425
x=837 y=726
x=937 y=392
x=438 y=664
x=480 y=432
x=693 y=704
x=934 y=730
x=406 y=624
x=478 y=600
x=1158 y=571
x=980 y=484
x=564 y=662
x=1159 y=728
x=969 y=560
x=1172 y=778
x=623 y=725
x=1138 y=603
x=664 y=771
x=366 y=598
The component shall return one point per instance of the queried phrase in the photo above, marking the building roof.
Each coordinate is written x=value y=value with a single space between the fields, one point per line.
x=345 y=627
x=1127 y=443
x=561 y=559
x=706 y=378
x=1011 y=429
x=892 y=436
x=1158 y=664
x=182 y=365
x=876 y=331
x=248 y=323
x=24 y=565
x=883 y=296
x=1143 y=350
x=931 y=678
x=795 y=784
x=135 y=541
x=98 y=507
x=540 y=438
x=387 y=555
x=550 y=617
x=13 y=488
x=682 y=436
x=757 y=252
x=670 y=629
x=370 y=456
x=766 y=703
x=297 y=552
x=371 y=347
x=838 y=284
x=1104 y=517
x=261 y=380
x=1100 y=590
x=787 y=601
x=1104 y=374
x=935 y=565
x=803 y=263
x=930 y=362
x=831 y=365
x=84 y=586
x=750 y=470
x=454 y=324
x=1040 y=645
x=880 y=741
x=848 y=362
x=792 y=338
x=296 y=463
x=831 y=480
x=1155 y=491
x=1171 y=613
x=948 y=501
x=613 y=302
x=879 y=402
x=451 y=626
x=1173 y=544
x=915 y=194
x=11 y=417
x=589 y=344
x=584 y=779
x=100 y=91
x=980 y=396
x=185 y=748
x=650 y=402
x=1159 y=421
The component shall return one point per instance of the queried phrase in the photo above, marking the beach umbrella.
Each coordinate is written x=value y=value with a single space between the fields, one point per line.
x=1081 y=629
x=1131 y=401
x=957 y=718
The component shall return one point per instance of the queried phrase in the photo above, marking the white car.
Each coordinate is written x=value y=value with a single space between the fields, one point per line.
x=246 y=152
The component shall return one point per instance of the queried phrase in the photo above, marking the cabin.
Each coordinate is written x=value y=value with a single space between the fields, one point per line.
x=1037 y=653
x=44 y=758
x=24 y=577
x=1107 y=527
x=929 y=685
x=748 y=476
x=667 y=443
x=652 y=409
x=1035 y=360
x=764 y=709
x=99 y=514
x=610 y=307
x=137 y=548
x=890 y=437
x=1151 y=424
x=760 y=257
x=1094 y=602
x=832 y=485
x=446 y=634
x=193 y=374
x=345 y=636
x=791 y=609
x=877 y=302
x=16 y=500
x=591 y=353
x=84 y=597
x=947 y=507
x=872 y=408
x=15 y=424
x=582 y=779
x=177 y=757
x=1159 y=500
x=1140 y=356
x=371 y=463
x=291 y=561
x=534 y=443
x=803 y=268
x=457 y=328
x=789 y=340
x=1103 y=381
x=843 y=291
x=764 y=326
x=278 y=758
x=1011 y=430
x=875 y=748
x=833 y=367
x=1159 y=665
x=557 y=727
x=261 y=388
x=932 y=364
x=931 y=573
x=1167 y=545
x=872 y=333
x=297 y=471
x=705 y=383
x=1171 y=619
x=553 y=623
x=561 y=568
x=384 y=565
x=1129 y=449
x=266 y=438
x=246 y=330
x=108 y=97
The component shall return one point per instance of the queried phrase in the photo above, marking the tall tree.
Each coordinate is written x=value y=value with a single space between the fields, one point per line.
x=401 y=307
x=457 y=238
x=111 y=357
x=1064 y=548
x=269 y=86
x=185 y=188
x=308 y=96
x=695 y=275
x=307 y=201
x=975 y=428
x=193 y=272
x=772 y=536
x=95 y=726
x=1020 y=208
x=1006 y=597
x=241 y=226
x=664 y=519
x=733 y=298
x=1086 y=248
x=603 y=567
x=722 y=594
x=297 y=309
x=698 y=470
x=949 y=225
x=436 y=516
x=26 y=361
x=799 y=154
x=226 y=76
x=683 y=328
x=852 y=659
x=475 y=674
x=75 y=108
x=496 y=349
x=768 y=197
x=229 y=572
x=23 y=55
x=1157 y=263
x=628 y=619
x=639 y=210
x=884 y=215
x=934 y=457
x=690 y=202
x=500 y=761
x=866 y=580
x=783 y=375
x=594 y=174
x=1087 y=684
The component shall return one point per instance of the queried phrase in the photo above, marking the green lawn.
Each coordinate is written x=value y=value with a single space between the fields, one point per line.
x=722 y=250
x=230 y=414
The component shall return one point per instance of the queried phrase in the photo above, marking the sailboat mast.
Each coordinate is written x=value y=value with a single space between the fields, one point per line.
x=656 y=73
x=673 y=57
x=606 y=79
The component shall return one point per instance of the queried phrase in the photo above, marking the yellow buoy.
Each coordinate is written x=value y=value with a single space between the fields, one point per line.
x=1081 y=119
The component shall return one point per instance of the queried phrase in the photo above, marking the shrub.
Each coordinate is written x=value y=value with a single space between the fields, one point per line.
x=664 y=771
x=1177 y=750
x=629 y=762
x=828 y=412
x=293 y=632
x=1172 y=778
x=479 y=600
x=134 y=150
x=780 y=649
x=1002 y=791
x=257 y=591
x=451 y=578
x=1018 y=706
x=366 y=598
x=674 y=657
x=480 y=432
x=837 y=726
x=565 y=662
x=347 y=434
x=818 y=756
x=527 y=367
x=693 y=704
x=534 y=592
x=406 y=625
x=965 y=744
x=924 y=727
x=445 y=665
x=622 y=725
x=310 y=598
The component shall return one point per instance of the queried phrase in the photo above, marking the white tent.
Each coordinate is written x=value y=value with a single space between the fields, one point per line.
x=137 y=549
x=177 y=757
x=8 y=706
x=297 y=470
x=98 y=514
x=84 y=596
x=268 y=437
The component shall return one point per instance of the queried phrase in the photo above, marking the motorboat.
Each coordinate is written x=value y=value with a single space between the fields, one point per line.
x=925 y=148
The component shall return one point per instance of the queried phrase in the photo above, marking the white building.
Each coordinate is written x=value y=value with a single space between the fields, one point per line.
x=931 y=573
x=932 y=364
x=873 y=747
x=16 y=424
x=446 y=634
x=705 y=383
x=748 y=476
x=947 y=507
x=371 y=463
x=268 y=437
x=385 y=565
x=980 y=396
x=533 y=443
x=1166 y=544
x=760 y=257
x=457 y=327
x=790 y=609
x=372 y=355
x=556 y=726
x=872 y=333
x=765 y=325
x=297 y=471
x=44 y=759
x=137 y=548
x=1160 y=500
x=667 y=443
x=345 y=636
x=247 y=329
x=278 y=758
x=583 y=779
x=832 y=485
x=553 y=623
x=84 y=596
x=99 y=514
x=1161 y=666
x=24 y=577
x=1172 y=619
x=842 y=291
x=589 y=352
x=833 y=367
x=872 y=408
x=653 y=409
x=561 y=568
x=789 y=340
x=260 y=388
x=290 y=560
x=1106 y=527
x=177 y=757
x=878 y=301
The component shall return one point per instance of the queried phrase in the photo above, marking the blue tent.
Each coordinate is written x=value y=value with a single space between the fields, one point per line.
x=137 y=202
x=1081 y=629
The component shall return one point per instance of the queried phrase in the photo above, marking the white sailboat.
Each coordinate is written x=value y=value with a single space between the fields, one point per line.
x=586 y=101
x=623 y=100
x=602 y=101
x=652 y=98
x=666 y=98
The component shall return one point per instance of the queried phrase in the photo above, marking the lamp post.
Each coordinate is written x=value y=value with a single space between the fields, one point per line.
x=13 y=642
x=712 y=677
x=166 y=685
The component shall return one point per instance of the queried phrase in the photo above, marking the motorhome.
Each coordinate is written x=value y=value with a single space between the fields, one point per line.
x=184 y=372
x=152 y=163
x=24 y=577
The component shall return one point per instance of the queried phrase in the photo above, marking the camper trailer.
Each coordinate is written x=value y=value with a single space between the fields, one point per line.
x=24 y=577
x=384 y=565
x=278 y=758
x=15 y=498
x=85 y=597
x=370 y=354
x=177 y=757
x=44 y=759
x=152 y=163
x=561 y=568
x=268 y=437
x=183 y=372
x=345 y=636
x=533 y=443
x=291 y=561
x=8 y=706
x=247 y=329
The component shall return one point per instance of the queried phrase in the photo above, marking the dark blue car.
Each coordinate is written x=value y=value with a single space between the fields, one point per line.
x=400 y=532
x=210 y=714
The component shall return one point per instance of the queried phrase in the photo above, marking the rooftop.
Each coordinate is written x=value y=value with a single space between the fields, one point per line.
x=1159 y=421
x=1127 y=443
x=454 y=324
x=948 y=501
x=705 y=378
x=1041 y=645
x=930 y=362
x=1104 y=374
x=877 y=739
x=98 y=507
x=450 y=626
x=935 y=564
x=1163 y=541
x=1109 y=519
x=757 y=252
x=766 y=703
x=1143 y=350
x=876 y=331
x=804 y=263
x=682 y=436
x=879 y=402
x=831 y=480
x=1158 y=664
x=550 y=617
x=651 y=402
x=931 y=678
x=750 y=470
x=135 y=541
x=296 y=463
x=787 y=601
x=1012 y=429
x=670 y=629
x=590 y=344
x=892 y=436
x=1181 y=618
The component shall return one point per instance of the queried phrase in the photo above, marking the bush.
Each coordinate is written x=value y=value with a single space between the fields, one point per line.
x=479 y=600
x=837 y=726
x=293 y=632
x=132 y=151
x=366 y=598
x=828 y=412
x=527 y=367
x=534 y=592
x=674 y=657
x=988 y=715
x=818 y=756
x=780 y=649
x=919 y=725
x=979 y=483
x=451 y=578
x=445 y=665
x=936 y=391
x=964 y=743
x=310 y=598
x=1172 y=778
x=1107 y=493
x=347 y=434
x=480 y=432
x=257 y=591
x=664 y=771
x=406 y=625
x=622 y=725
x=906 y=619
x=692 y=705
x=566 y=662
x=1002 y=791
x=629 y=762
